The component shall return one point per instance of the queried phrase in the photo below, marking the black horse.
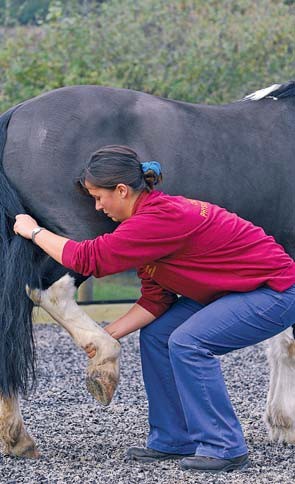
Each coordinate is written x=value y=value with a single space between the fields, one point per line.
x=240 y=156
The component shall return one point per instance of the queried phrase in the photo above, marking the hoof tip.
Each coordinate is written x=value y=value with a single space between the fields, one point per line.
x=98 y=391
x=28 y=453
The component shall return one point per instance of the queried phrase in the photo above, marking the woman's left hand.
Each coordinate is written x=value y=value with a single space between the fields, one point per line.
x=24 y=225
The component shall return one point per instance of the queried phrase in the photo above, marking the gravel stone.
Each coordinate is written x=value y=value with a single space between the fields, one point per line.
x=83 y=442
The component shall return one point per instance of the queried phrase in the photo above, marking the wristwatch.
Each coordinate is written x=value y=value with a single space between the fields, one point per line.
x=36 y=231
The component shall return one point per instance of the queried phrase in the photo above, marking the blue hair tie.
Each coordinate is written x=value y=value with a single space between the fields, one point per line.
x=151 y=165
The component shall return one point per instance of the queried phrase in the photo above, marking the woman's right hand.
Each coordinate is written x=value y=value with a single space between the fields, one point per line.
x=24 y=225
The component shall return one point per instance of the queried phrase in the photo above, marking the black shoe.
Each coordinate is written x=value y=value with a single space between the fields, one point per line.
x=142 y=454
x=211 y=464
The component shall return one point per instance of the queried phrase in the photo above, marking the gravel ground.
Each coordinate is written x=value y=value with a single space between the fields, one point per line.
x=82 y=442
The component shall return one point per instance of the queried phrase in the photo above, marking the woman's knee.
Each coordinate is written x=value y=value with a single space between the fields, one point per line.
x=181 y=342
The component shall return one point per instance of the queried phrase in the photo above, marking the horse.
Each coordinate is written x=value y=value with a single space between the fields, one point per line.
x=239 y=156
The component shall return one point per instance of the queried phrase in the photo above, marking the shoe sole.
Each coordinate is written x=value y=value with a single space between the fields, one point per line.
x=228 y=468
x=157 y=459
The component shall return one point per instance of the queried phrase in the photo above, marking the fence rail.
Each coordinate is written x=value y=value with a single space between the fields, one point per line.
x=106 y=301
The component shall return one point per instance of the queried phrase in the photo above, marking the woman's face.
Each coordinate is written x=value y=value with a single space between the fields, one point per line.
x=114 y=203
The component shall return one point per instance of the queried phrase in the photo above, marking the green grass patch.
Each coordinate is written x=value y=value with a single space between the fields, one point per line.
x=118 y=286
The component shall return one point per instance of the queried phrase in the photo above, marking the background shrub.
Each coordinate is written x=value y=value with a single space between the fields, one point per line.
x=194 y=50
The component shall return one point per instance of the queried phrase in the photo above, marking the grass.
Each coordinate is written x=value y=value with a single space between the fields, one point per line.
x=117 y=286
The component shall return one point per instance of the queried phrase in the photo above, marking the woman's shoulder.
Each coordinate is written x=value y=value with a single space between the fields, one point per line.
x=174 y=205
x=165 y=211
x=159 y=199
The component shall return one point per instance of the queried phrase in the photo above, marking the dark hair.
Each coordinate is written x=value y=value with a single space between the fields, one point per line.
x=114 y=164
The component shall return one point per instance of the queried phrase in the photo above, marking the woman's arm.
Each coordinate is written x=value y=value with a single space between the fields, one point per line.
x=51 y=243
x=137 y=317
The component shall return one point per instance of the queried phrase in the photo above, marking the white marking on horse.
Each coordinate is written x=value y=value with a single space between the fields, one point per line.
x=280 y=407
x=103 y=369
x=42 y=134
x=14 y=438
x=262 y=93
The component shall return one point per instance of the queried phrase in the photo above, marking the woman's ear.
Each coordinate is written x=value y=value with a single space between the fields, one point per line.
x=122 y=190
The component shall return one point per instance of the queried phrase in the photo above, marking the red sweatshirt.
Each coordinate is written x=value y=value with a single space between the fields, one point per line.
x=186 y=247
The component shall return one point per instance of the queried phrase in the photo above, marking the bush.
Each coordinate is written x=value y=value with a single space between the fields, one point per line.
x=193 y=50
x=22 y=11
x=34 y=12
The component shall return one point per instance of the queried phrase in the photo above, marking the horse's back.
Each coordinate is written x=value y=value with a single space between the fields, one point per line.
x=51 y=136
x=240 y=156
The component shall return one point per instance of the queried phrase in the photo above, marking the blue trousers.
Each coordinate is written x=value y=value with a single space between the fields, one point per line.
x=189 y=408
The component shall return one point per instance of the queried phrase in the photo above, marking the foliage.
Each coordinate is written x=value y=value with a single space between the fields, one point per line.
x=22 y=11
x=35 y=12
x=211 y=51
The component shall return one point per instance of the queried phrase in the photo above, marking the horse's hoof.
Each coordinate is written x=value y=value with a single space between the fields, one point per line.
x=100 y=390
x=30 y=452
x=102 y=385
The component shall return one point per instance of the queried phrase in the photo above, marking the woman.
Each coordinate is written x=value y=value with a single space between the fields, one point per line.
x=237 y=288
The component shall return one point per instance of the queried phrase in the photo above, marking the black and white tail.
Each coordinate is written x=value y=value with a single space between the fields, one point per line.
x=17 y=268
x=276 y=91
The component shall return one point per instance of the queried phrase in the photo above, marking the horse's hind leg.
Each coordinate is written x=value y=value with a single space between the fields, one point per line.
x=280 y=408
x=103 y=369
x=14 y=438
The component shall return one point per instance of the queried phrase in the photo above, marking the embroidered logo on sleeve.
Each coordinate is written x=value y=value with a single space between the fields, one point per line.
x=204 y=209
x=150 y=270
x=203 y=206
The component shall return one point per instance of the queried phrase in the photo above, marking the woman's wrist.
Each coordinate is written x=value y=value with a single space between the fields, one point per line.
x=35 y=232
x=111 y=331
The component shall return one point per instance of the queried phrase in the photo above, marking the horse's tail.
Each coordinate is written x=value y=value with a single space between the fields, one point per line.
x=17 y=268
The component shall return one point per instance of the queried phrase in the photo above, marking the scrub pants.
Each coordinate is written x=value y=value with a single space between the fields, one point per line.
x=189 y=408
